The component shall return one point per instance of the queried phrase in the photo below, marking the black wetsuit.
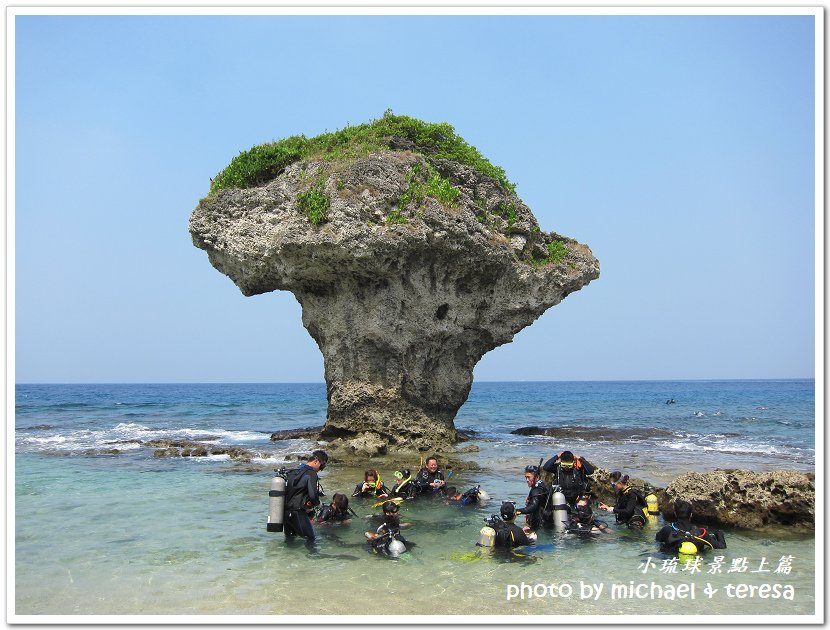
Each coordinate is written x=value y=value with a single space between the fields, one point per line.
x=573 y=480
x=330 y=513
x=372 y=493
x=629 y=508
x=673 y=535
x=425 y=478
x=509 y=535
x=407 y=490
x=537 y=506
x=301 y=497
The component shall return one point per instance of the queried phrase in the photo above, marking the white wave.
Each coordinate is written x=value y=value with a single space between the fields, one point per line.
x=125 y=435
x=223 y=434
x=727 y=447
x=273 y=459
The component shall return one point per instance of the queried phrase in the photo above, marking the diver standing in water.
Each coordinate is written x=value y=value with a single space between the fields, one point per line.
x=569 y=472
x=631 y=507
x=302 y=494
x=537 y=508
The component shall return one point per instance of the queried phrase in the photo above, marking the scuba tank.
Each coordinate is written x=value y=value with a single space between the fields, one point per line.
x=487 y=534
x=560 y=509
x=276 y=502
x=651 y=505
x=687 y=548
x=487 y=537
x=394 y=548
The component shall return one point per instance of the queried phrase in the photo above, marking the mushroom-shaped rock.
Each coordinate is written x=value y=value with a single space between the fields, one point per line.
x=409 y=266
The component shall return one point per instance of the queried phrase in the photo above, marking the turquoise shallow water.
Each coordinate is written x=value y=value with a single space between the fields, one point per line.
x=128 y=534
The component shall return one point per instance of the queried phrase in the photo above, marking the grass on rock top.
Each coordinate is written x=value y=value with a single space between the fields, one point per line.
x=264 y=162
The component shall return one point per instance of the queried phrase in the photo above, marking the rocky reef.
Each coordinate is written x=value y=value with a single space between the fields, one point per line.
x=732 y=498
x=743 y=498
x=409 y=267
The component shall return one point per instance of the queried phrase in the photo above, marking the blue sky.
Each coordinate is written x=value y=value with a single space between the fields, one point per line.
x=679 y=148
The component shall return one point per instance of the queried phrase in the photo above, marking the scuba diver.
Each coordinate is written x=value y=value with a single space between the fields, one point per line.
x=387 y=539
x=570 y=473
x=503 y=532
x=430 y=480
x=582 y=520
x=684 y=537
x=537 y=509
x=471 y=497
x=302 y=494
x=371 y=487
x=631 y=507
x=403 y=487
x=337 y=511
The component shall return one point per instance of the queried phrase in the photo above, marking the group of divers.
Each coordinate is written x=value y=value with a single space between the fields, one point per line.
x=559 y=498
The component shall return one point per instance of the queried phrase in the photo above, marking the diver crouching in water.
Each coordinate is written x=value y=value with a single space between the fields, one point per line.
x=387 y=540
x=337 y=511
x=503 y=533
x=582 y=520
x=685 y=538
x=404 y=486
x=473 y=496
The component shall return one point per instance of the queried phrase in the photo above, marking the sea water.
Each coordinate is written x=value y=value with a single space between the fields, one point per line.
x=102 y=527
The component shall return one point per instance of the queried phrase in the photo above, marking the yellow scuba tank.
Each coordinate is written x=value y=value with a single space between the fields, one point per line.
x=652 y=510
x=687 y=548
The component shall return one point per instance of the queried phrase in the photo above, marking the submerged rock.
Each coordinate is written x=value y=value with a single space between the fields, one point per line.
x=189 y=448
x=306 y=433
x=408 y=268
x=743 y=498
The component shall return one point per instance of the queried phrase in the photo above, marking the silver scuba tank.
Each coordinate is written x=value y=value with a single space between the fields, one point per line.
x=276 y=503
x=395 y=548
x=560 y=509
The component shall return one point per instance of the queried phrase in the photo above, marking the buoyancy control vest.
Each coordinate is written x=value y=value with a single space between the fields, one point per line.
x=296 y=489
x=699 y=536
x=509 y=535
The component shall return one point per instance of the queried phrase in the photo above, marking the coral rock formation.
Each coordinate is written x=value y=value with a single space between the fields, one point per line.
x=742 y=498
x=403 y=291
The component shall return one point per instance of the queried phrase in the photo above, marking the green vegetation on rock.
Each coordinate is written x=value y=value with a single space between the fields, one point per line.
x=264 y=162
x=315 y=204
x=556 y=253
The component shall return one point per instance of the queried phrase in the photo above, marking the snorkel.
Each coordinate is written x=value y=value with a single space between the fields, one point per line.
x=401 y=482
